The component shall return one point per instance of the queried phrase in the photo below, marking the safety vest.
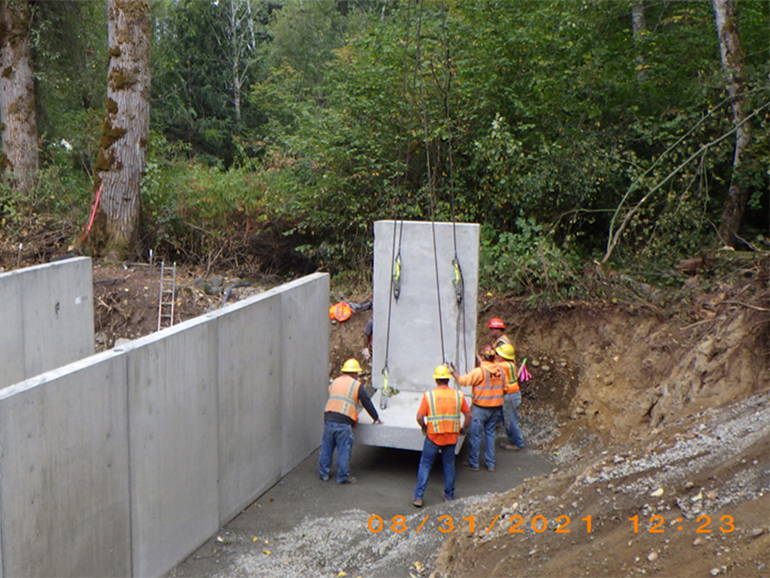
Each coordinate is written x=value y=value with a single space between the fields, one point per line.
x=343 y=397
x=490 y=394
x=510 y=376
x=501 y=340
x=444 y=407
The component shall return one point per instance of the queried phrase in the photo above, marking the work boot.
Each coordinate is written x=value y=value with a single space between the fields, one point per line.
x=417 y=503
x=491 y=468
x=350 y=480
x=443 y=495
x=467 y=465
x=510 y=447
x=323 y=478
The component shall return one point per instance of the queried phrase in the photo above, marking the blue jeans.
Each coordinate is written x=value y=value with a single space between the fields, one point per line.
x=483 y=419
x=430 y=451
x=339 y=435
x=511 y=403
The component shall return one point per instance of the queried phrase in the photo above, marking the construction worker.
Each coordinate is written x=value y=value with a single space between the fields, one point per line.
x=340 y=417
x=487 y=383
x=506 y=359
x=497 y=332
x=441 y=409
x=368 y=338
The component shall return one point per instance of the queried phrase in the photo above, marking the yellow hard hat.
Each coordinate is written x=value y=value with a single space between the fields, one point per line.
x=441 y=372
x=506 y=351
x=351 y=366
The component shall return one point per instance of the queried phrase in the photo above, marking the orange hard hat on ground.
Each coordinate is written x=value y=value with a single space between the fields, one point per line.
x=496 y=323
x=340 y=311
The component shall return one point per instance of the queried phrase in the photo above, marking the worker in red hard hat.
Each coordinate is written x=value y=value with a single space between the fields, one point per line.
x=497 y=332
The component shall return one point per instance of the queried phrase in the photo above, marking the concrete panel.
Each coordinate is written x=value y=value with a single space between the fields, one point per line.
x=305 y=367
x=56 y=324
x=400 y=429
x=64 y=497
x=172 y=397
x=249 y=384
x=414 y=345
x=11 y=335
x=426 y=312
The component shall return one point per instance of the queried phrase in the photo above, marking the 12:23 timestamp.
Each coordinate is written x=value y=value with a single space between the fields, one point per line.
x=727 y=524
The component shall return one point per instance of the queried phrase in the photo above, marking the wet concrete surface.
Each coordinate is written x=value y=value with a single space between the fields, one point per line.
x=386 y=479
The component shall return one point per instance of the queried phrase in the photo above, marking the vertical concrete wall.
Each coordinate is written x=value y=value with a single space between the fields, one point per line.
x=172 y=416
x=249 y=401
x=304 y=384
x=64 y=487
x=125 y=462
x=47 y=318
x=414 y=346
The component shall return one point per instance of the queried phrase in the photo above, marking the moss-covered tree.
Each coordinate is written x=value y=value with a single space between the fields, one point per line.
x=125 y=131
x=17 y=97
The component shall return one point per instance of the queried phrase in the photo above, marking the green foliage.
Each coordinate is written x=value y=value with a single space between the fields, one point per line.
x=528 y=262
x=194 y=208
x=547 y=121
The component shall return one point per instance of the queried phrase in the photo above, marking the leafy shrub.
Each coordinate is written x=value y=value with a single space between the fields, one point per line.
x=527 y=262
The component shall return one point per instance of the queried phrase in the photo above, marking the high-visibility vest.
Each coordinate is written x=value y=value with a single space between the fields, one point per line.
x=501 y=340
x=444 y=407
x=490 y=394
x=343 y=397
x=510 y=376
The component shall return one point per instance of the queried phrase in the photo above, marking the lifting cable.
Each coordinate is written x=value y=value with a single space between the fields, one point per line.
x=431 y=188
x=395 y=267
x=458 y=281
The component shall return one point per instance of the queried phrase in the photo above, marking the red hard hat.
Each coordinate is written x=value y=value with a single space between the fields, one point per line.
x=496 y=323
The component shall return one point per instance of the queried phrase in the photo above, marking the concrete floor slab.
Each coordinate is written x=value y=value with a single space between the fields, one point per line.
x=400 y=429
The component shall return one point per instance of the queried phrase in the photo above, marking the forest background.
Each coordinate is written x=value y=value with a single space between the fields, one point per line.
x=582 y=135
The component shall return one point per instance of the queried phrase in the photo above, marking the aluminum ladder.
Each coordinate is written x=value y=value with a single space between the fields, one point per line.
x=166 y=295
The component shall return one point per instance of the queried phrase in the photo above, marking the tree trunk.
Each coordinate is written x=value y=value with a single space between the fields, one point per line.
x=732 y=62
x=17 y=97
x=125 y=131
x=639 y=27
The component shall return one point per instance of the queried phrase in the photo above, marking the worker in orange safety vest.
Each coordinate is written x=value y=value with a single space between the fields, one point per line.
x=340 y=416
x=487 y=383
x=439 y=417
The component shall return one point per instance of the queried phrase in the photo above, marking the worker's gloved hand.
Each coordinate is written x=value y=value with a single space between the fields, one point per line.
x=365 y=353
x=424 y=430
x=451 y=366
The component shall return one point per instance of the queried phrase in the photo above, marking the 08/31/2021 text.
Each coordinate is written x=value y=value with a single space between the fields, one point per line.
x=539 y=524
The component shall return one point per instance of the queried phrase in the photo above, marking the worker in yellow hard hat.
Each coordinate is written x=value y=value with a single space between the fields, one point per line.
x=340 y=417
x=506 y=359
x=439 y=417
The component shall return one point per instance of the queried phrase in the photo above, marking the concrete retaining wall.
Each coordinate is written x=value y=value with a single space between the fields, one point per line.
x=125 y=462
x=46 y=318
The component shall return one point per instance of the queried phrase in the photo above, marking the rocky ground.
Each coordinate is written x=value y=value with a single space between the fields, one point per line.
x=658 y=423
